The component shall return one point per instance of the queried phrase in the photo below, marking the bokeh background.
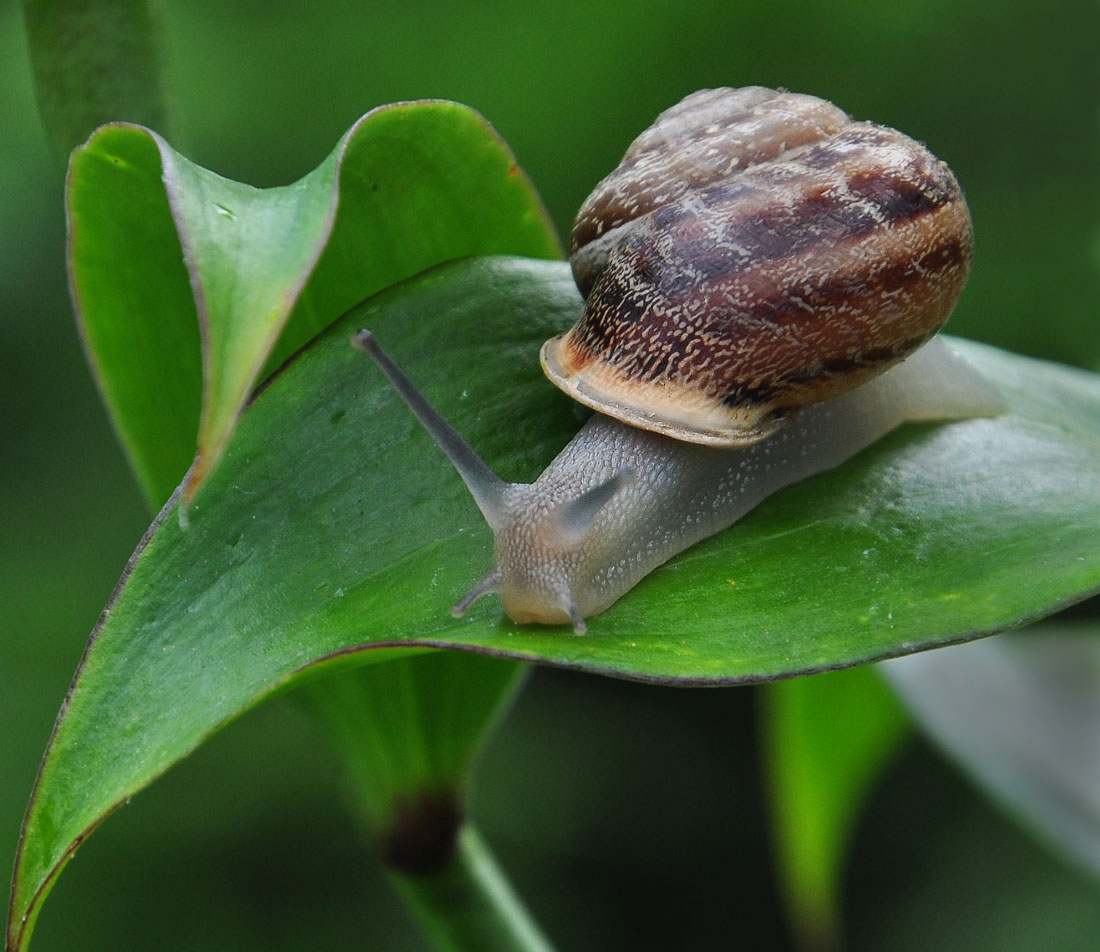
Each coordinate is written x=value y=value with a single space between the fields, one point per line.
x=631 y=817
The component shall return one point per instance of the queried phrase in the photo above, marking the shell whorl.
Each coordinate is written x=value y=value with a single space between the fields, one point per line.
x=754 y=252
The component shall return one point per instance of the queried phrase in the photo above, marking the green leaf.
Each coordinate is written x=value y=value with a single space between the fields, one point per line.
x=334 y=524
x=95 y=61
x=1021 y=714
x=408 y=186
x=826 y=740
x=134 y=305
x=156 y=241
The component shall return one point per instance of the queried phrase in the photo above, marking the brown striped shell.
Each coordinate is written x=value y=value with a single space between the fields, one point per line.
x=756 y=251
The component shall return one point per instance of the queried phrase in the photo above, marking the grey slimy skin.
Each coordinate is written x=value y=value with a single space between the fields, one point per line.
x=619 y=501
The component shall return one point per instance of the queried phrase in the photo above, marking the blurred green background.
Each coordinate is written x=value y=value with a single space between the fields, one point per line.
x=631 y=817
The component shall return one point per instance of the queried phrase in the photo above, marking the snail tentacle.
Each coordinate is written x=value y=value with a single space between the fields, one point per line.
x=487 y=488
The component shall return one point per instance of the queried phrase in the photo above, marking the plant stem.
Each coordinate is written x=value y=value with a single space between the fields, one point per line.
x=468 y=905
x=95 y=61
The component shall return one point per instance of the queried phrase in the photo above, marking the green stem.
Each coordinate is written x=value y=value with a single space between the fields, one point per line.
x=95 y=61
x=408 y=731
x=468 y=905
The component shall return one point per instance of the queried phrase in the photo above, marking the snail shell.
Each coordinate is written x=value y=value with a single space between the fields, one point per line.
x=756 y=251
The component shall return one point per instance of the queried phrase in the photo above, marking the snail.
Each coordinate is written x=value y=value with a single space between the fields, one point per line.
x=763 y=278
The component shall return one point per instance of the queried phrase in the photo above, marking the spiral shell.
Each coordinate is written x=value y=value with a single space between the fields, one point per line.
x=754 y=252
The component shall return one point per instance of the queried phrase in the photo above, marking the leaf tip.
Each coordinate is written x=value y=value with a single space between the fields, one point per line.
x=198 y=472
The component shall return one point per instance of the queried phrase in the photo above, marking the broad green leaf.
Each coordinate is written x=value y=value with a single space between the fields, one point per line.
x=134 y=305
x=95 y=61
x=157 y=242
x=1021 y=714
x=334 y=524
x=408 y=186
x=826 y=739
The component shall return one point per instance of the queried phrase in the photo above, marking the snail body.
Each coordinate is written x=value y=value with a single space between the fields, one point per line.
x=763 y=280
